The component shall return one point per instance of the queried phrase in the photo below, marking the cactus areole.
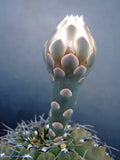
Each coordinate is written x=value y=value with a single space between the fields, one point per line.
x=69 y=55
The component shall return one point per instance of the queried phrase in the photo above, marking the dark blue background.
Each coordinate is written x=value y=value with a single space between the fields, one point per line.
x=25 y=88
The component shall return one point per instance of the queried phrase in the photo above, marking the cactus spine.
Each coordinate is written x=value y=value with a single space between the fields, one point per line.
x=69 y=56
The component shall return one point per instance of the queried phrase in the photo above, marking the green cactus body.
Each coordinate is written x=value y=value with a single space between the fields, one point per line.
x=30 y=141
x=66 y=103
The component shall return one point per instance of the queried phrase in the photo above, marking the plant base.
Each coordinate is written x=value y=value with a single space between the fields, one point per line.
x=31 y=141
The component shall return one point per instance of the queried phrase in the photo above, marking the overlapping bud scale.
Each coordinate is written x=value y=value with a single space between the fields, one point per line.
x=71 y=50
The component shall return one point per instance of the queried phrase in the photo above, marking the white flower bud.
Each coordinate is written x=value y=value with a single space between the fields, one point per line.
x=72 y=37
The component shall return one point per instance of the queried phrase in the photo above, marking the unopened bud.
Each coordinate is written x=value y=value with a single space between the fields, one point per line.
x=70 y=47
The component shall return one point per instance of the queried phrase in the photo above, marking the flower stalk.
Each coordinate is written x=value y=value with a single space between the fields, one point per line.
x=69 y=56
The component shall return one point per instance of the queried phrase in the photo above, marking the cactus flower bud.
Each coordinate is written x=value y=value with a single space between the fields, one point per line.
x=69 y=54
x=71 y=46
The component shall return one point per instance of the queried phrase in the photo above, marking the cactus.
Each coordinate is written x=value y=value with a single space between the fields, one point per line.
x=31 y=141
x=69 y=56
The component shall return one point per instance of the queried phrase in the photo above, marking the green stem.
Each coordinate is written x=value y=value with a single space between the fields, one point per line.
x=63 y=103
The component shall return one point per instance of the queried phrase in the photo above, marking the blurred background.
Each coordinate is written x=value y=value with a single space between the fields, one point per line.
x=25 y=88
